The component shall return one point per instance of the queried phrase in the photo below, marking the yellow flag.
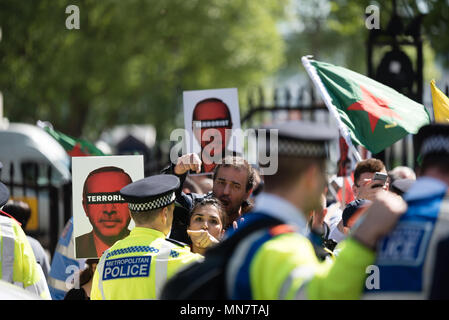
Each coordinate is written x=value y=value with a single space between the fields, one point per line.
x=440 y=104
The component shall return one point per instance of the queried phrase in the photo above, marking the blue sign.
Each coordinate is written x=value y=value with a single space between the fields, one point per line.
x=406 y=245
x=129 y=267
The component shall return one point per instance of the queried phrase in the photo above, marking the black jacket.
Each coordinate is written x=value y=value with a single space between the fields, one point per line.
x=184 y=205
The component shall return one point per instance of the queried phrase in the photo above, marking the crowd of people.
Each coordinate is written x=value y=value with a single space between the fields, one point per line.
x=239 y=234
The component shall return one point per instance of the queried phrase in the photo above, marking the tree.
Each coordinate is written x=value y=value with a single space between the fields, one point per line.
x=335 y=31
x=129 y=61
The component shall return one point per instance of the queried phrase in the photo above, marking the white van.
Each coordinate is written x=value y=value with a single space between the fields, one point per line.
x=29 y=148
x=22 y=142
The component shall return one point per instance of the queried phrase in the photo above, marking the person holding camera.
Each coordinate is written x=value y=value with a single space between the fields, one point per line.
x=370 y=177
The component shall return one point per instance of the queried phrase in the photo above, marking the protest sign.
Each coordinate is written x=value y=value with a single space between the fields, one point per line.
x=212 y=123
x=100 y=214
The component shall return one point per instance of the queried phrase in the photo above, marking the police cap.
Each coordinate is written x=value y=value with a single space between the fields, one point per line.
x=151 y=193
x=433 y=139
x=303 y=139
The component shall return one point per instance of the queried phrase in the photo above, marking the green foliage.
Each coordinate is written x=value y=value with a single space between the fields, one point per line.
x=130 y=60
x=335 y=31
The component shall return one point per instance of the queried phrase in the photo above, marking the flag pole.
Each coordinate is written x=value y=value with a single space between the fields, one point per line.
x=432 y=84
x=328 y=101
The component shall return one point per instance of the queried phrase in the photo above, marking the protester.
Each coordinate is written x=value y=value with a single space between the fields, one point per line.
x=21 y=211
x=190 y=186
x=83 y=282
x=233 y=182
x=401 y=172
x=364 y=187
x=206 y=227
x=127 y=264
x=353 y=212
x=258 y=183
x=204 y=182
x=401 y=186
x=18 y=265
x=401 y=179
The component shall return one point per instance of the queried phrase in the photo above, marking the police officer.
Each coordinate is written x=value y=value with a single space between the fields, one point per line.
x=18 y=264
x=406 y=257
x=138 y=266
x=292 y=191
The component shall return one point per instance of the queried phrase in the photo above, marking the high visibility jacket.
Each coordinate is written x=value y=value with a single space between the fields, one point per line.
x=269 y=264
x=17 y=262
x=406 y=257
x=138 y=266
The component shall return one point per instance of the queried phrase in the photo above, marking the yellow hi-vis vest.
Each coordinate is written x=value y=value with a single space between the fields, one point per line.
x=285 y=266
x=17 y=262
x=299 y=275
x=138 y=266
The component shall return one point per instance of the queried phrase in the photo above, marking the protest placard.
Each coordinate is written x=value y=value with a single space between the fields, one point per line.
x=212 y=121
x=100 y=214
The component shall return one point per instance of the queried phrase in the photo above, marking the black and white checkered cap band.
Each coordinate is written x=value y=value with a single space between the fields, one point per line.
x=435 y=144
x=153 y=204
x=299 y=149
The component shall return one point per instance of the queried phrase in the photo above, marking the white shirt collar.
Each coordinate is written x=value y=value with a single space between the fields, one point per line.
x=281 y=209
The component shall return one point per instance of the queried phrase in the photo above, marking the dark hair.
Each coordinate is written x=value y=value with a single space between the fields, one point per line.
x=437 y=161
x=192 y=185
x=240 y=164
x=101 y=170
x=290 y=168
x=258 y=183
x=369 y=165
x=20 y=210
x=212 y=202
x=87 y=274
x=142 y=217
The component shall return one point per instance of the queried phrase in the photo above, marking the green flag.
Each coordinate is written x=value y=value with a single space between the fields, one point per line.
x=375 y=115
x=74 y=147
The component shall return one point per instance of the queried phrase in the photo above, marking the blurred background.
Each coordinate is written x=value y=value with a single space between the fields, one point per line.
x=114 y=86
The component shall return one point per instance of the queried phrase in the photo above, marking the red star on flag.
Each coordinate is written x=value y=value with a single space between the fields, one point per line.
x=76 y=151
x=374 y=106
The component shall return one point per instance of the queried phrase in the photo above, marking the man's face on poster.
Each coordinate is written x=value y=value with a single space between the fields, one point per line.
x=212 y=114
x=107 y=212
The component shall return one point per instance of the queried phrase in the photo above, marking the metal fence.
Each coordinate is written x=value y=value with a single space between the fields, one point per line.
x=52 y=204
x=281 y=104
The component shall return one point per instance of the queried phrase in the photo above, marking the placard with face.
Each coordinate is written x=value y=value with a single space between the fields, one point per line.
x=211 y=119
x=100 y=215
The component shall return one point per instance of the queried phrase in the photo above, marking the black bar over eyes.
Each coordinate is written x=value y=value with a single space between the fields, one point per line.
x=104 y=197
x=218 y=123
